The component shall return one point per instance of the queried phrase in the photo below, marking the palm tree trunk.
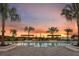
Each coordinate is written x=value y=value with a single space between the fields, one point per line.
x=78 y=36
x=67 y=37
x=12 y=38
x=78 y=30
x=3 y=31
x=52 y=35
x=28 y=34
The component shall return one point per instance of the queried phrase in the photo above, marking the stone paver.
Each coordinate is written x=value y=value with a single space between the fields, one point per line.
x=39 y=51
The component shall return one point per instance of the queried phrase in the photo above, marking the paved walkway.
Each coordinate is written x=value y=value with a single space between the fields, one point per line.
x=39 y=51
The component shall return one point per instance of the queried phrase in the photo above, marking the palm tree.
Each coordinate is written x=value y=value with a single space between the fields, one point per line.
x=29 y=29
x=68 y=30
x=71 y=11
x=6 y=12
x=14 y=33
x=52 y=30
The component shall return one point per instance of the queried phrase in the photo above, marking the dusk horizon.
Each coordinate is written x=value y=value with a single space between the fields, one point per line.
x=41 y=17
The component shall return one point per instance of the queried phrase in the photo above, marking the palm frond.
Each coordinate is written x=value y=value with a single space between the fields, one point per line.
x=13 y=15
x=13 y=31
x=4 y=10
x=67 y=13
x=31 y=29
x=53 y=29
x=68 y=30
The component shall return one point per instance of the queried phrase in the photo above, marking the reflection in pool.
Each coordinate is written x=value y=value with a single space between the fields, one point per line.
x=43 y=44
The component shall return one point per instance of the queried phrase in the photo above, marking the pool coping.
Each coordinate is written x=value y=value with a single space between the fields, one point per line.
x=8 y=47
x=73 y=48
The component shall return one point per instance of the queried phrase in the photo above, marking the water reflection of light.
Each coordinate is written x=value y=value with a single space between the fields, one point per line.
x=40 y=35
x=62 y=35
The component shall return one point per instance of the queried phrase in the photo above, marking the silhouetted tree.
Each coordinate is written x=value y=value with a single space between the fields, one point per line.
x=14 y=33
x=29 y=29
x=6 y=12
x=68 y=30
x=71 y=12
x=52 y=30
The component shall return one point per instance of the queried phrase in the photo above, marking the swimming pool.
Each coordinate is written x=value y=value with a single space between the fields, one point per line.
x=42 y=44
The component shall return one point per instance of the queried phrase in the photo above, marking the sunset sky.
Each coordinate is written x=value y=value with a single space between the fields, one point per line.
x=41 y=17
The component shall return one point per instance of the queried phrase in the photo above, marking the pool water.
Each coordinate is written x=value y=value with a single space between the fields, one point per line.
x=42 y=44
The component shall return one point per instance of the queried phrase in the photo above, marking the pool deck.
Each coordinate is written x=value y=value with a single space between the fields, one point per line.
x=39 y=51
